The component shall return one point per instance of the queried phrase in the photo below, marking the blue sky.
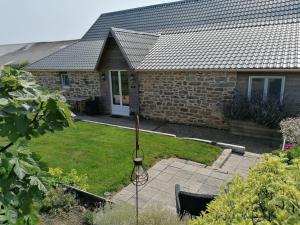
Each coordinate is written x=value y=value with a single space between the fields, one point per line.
x=24 y=21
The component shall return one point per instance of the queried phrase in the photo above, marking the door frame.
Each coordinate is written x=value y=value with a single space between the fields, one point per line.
x=119 y=110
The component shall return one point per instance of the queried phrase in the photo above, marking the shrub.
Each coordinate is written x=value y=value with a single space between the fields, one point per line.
x=19 y=66
x=290 y=129
x=57 y=201
x=124 y=214
x=289 y=155
x=267 y=112
x=270 y=195
x=72 y=178
x=238 y=109
x=88 y=217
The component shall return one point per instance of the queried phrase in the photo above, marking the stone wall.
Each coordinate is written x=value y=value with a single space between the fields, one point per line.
x=82 y=83
x=193 y=98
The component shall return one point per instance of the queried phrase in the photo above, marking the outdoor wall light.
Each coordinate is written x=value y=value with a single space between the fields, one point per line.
x=132 y=77
x=103 y=77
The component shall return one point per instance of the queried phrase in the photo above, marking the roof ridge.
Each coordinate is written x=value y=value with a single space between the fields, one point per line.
x=40 y=42
x=199 y=29
x=149 y=6
x=134 y=32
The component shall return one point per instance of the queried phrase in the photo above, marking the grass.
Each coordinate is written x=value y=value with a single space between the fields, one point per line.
x=104 y=153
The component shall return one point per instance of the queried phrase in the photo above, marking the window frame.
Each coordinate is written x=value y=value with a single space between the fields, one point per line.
x=266 y=85
x=62 y=80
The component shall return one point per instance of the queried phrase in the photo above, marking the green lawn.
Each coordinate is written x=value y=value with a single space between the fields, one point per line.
x=104 y=153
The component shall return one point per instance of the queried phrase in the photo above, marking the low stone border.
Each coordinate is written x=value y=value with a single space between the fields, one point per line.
x=129 y=128
x=235 y=148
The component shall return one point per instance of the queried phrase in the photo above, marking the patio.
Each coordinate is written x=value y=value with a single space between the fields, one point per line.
x=254 y=145
x=191 y=176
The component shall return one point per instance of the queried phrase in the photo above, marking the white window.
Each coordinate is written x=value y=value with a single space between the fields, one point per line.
x=265 y=87
x=65 y=81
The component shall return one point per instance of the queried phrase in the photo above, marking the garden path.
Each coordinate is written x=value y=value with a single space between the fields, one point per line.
x=191 y=176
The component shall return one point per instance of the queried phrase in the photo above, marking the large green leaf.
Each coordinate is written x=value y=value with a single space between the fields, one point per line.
x=3 y=101
x=36 y=181
x=18 y=169
x=26 y=111
x=8 y=216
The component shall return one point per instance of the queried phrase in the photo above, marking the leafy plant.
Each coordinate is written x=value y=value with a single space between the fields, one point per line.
x=268 y=112
x=270 y=195
x=57 y=201
x=72 y=178
x=19 y=66
x=238 y=108
x=88 y=217
x=289 y=155
x=25 y=112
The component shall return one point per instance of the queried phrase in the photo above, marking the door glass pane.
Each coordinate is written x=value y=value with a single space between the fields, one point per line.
x=257 y=89
x=125 y=87
x=115 y=88
x=274 y=88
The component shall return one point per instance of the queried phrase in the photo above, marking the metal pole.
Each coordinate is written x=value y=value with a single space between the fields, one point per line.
x=137 y=131
x=137 y=147
x=137 y=202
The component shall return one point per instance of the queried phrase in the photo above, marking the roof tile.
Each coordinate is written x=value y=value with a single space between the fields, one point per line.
x=258 y=47
x=187 y=22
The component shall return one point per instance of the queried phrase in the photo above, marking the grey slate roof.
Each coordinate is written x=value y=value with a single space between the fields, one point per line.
x=134 y=45
x=261 y=47
x=18 y=53
x=82 y=55
x=5 y=49
x=183 y=16
x=209 y=14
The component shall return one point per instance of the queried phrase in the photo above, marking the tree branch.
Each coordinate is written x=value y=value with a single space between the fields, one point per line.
x=37 y=114
x=6 y=147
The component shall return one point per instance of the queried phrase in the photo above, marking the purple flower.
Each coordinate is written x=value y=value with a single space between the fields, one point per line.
x=289 y=146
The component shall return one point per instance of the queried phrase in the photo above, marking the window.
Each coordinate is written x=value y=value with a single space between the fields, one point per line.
x=65 y=82
x=266 y=87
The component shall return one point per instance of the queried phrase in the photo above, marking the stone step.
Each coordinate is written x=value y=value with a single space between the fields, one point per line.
x=222 y=159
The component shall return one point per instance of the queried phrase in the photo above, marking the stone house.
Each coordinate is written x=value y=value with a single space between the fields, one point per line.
x=181 y=61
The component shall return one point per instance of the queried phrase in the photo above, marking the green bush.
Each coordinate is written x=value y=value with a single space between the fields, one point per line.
x=289 y=155
x=88 y=217
x=270 y=195
x=125 y=215
x=72 y=178
x=57 y=201
x=293 y=154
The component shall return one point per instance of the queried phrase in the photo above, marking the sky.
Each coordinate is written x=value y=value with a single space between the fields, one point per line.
x=24 y=21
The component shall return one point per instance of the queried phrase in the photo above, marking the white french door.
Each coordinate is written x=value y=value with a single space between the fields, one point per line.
x=119 y=89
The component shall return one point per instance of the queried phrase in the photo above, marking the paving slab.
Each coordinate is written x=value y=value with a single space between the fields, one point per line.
x=191 y=176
